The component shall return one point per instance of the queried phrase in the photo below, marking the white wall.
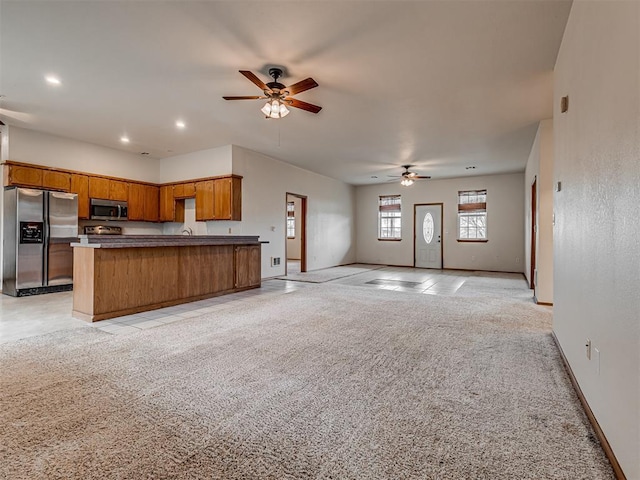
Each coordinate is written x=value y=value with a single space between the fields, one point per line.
x=30 y=146
x=330 y=210
x=597 y=252
x=294 y=245
x=204 y=163
x=505 y=206
x=540 y=167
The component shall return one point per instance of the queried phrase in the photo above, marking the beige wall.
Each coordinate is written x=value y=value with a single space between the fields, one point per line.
x=597 y=252
x=330 y=210
x=540 y=167
x=505 y=216
x=31 y=146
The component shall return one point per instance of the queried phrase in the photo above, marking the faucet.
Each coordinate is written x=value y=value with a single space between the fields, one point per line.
x=187 y=231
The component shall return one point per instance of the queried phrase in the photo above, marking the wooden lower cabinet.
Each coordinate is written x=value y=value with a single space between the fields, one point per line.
x=111 y=282
x=248 y=266
x=80 y=185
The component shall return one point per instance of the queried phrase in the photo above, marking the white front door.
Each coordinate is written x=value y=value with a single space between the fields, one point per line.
x=428 y=236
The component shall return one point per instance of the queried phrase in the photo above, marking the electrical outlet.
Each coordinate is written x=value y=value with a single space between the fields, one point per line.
x=596 y=358
x=517 y=259
x=588 y=348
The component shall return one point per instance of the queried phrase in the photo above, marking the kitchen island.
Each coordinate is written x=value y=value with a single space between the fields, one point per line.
x=115 y=275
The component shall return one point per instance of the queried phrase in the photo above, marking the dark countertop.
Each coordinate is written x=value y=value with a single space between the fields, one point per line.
x=140 y=241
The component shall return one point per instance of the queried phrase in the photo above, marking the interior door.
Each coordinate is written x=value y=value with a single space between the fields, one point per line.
x=428 y=235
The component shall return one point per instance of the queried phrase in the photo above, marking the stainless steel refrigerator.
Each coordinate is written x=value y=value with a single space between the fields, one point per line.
x=39 y=227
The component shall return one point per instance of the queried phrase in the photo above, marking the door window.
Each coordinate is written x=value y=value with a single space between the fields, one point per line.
x=427 y=228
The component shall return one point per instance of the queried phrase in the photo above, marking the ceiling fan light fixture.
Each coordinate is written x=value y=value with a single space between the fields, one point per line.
x=275 y=109
x=406 y=182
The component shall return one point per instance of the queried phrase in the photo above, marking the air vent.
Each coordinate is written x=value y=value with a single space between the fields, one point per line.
x=275 y=261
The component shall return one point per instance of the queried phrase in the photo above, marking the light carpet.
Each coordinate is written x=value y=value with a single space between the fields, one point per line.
x=504 y=285
x=327 y=382
x=333 y=273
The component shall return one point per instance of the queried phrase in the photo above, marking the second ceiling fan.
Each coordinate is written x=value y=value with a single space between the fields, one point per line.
x=279 y=96
x=409 y=177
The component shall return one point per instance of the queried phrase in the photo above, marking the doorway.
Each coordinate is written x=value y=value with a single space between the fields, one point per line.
x=427 y=228
x=534 y=231
x=296 y=234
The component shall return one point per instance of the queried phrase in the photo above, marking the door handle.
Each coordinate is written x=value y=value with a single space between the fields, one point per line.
x=119 y=211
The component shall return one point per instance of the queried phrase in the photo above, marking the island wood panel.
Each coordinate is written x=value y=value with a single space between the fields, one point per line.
x=54 y=180
x=206 y=269
x=129 y=278
x=83 y=282
x=110 y=282
x=80 y=185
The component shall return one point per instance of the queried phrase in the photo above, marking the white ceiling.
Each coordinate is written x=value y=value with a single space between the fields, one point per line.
x=441 y=85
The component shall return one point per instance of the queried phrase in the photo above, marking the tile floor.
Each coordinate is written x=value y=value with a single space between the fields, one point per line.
x=41 y=314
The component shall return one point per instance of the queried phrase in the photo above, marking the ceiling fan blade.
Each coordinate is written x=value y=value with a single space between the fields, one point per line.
x=302 y=86
x=421 y=176
x=251 y=76
x=395 y=176
x=302 y=105
x=243 y=98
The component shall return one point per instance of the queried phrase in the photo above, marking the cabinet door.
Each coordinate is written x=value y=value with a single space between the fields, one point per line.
x=27 y=176
x=56 y=180
x=248 y=266
x=189 y=189
x=151 y=203
x=204 y=200
x=136 y=201
x=222 y=199
x=80 y=185
x=99 y=188
x=167 y=204
x=118 y=190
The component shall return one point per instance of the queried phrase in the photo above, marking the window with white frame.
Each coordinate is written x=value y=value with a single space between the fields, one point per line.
x=472 y=215
x=389 y=217
x=291 y=220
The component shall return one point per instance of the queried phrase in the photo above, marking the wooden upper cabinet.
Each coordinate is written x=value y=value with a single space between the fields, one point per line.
x=54 y=180
x=204 y=200
x=135 y=204
x=228 y=198
x=151 y=203
x=20 y=175
x=222 y=198
x=184 y=190
x=99 y=188
x=167 y=204
x=118 y=190
x=80 y=185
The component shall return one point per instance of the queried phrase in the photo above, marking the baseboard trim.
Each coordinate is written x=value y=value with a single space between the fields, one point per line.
x=604 y=443
x=546 y=304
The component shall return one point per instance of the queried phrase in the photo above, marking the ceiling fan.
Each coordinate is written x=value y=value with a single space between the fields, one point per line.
x=279 y=96
x=409 y=177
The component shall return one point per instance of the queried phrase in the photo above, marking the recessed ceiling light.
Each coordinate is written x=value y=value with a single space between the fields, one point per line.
x=374 y=176
x=52 y=80
x=124 y=139
x=180 y=124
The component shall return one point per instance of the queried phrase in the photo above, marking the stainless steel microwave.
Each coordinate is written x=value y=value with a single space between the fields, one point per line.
x=108 y=210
